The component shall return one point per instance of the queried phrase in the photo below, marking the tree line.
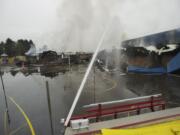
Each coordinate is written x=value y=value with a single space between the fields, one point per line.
x=15 y=48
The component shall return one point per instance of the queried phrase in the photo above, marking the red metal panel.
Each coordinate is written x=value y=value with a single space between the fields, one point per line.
x=125 y=106
x=101 y=111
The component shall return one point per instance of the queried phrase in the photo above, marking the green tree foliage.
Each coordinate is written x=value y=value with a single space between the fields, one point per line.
x=22 y=46
x=9 y=47
x=1 y=47
x=12 y=48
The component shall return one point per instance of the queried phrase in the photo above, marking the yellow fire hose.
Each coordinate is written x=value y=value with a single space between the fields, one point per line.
x=168 y=128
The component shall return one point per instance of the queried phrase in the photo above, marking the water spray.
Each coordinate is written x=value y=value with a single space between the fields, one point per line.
x=85 y=78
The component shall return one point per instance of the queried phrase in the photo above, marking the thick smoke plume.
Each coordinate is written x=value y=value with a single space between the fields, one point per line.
x=81 y=22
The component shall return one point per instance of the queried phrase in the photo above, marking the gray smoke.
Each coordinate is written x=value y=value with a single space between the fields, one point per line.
x=81 y=22
x=31 y=51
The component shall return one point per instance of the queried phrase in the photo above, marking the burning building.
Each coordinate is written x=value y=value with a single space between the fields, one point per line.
x=153 y=52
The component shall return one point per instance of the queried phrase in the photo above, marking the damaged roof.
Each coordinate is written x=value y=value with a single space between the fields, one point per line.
x=158 y=39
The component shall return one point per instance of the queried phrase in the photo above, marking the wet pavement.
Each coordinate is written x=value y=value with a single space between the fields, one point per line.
x=27 y=95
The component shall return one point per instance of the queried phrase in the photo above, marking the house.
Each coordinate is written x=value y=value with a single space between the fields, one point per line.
x=4 y=58
x=48 y=57
x=152 y=51
x=84 y=57
x=20 y=60
x=69 y=58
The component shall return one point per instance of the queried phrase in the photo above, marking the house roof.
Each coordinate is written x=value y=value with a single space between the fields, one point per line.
x=4 y=55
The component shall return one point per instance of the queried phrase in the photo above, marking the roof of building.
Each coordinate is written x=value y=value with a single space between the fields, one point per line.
x=158 y=39
x=4 y=55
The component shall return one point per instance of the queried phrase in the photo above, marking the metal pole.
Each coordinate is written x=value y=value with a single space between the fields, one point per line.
x=49 y=107
x=69 y=63
x=5 y=97
x=94 y=85
x=123 y=101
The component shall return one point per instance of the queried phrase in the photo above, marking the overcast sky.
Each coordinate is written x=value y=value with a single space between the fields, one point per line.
x=26 y=18
x=71 y=25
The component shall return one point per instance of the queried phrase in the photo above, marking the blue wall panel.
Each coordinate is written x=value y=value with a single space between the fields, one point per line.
x=174 y=64
x=156 y=70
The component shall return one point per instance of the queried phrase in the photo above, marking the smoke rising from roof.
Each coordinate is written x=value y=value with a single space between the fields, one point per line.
x=77 y=25
x=167 y=48
x=81 y=22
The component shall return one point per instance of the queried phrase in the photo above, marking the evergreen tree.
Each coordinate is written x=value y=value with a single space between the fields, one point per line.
x=2 y=48
x=12 y=48
x=9 y=47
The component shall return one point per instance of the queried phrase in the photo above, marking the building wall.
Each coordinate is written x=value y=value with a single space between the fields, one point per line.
x=140 y=61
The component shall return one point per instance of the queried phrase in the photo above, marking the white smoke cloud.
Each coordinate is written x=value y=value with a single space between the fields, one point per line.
x=77 y=25
x=81 y=22
x=167 y=48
